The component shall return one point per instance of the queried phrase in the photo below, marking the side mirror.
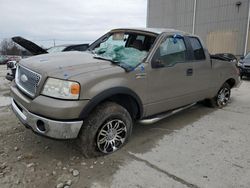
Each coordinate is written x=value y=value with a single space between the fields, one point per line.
x=158 y=63
x=242 y=57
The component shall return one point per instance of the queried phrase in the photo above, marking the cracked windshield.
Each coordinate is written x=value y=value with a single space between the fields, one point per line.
x=126 y=49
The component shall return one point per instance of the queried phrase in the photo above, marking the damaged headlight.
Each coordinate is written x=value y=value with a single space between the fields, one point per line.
x=62 y=89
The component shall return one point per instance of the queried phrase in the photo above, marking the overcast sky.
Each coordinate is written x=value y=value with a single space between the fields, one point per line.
x=68 y=21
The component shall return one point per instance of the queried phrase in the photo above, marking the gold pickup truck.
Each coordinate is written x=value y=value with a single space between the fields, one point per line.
x=125 y=76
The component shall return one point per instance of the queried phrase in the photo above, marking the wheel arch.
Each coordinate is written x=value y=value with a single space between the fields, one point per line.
x=120 y=95
x=231 y=82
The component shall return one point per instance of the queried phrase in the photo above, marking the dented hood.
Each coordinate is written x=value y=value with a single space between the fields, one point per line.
x=30 y=46
x=65 y=65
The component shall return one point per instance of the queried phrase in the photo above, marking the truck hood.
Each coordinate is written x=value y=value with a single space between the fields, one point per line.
x=65 y=65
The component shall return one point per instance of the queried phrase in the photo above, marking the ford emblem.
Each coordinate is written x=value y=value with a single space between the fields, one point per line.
x=24 y=78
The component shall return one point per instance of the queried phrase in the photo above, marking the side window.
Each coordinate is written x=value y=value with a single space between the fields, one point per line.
x=171 y=51
x=197 y=48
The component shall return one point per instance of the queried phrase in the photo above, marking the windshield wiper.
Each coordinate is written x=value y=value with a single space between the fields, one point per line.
x=126 y=68
x=103 y=58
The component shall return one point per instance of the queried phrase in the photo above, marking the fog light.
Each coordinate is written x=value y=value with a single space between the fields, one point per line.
x=40 y=126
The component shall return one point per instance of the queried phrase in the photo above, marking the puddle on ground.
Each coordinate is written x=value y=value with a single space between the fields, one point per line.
x=5 y=101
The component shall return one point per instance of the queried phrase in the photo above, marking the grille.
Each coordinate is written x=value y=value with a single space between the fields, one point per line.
x=27 y=80
x=247 y=66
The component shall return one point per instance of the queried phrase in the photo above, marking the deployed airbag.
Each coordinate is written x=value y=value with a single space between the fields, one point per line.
x=128 y=56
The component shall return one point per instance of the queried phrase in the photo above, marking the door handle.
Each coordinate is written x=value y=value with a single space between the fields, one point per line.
x=189 y=72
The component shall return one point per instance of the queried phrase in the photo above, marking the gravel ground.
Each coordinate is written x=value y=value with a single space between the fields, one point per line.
x=199 y=147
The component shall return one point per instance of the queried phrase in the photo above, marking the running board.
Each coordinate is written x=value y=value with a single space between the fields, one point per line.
x=165 y=115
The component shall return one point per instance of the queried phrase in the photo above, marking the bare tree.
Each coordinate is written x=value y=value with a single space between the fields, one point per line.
x=8 y=47
x=4 y=46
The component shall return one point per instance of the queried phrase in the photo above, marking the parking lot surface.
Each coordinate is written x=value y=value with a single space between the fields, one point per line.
x=199 y=147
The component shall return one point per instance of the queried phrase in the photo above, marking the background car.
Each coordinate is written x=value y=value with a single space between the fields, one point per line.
x=12 y=66
x=34 y=49
x=68 y=47
x=244 y=66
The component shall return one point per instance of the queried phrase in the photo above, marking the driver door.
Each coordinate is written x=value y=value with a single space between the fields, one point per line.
x=171 y=76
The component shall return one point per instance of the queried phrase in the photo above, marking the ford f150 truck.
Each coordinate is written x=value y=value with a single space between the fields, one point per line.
x=127 y=75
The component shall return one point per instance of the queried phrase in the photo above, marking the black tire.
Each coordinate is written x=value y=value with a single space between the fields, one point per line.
x=220 y=101
x=94 y=127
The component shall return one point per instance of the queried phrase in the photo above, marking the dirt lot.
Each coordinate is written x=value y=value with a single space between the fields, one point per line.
x=200 y=147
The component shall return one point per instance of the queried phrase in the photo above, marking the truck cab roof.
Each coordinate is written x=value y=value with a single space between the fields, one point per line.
x=155 y=31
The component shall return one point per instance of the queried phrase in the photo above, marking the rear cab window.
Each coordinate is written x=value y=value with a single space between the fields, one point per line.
x=198 y=51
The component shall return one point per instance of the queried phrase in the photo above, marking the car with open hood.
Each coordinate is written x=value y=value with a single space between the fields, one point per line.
x=34 y=49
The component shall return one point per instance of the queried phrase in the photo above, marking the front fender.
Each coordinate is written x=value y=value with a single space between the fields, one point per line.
x=95 y=101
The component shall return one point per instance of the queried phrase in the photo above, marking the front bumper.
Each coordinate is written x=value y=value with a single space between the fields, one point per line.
x=47 y=127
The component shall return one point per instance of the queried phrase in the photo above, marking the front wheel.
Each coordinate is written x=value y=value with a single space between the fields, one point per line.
x=105 y=131
x=222 y=98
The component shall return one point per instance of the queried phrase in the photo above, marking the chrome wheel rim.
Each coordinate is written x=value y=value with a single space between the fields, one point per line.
x=223 y=97
x=111 y=136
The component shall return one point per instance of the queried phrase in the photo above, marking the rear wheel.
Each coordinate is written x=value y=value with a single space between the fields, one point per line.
x=105 y=131
x=222 y=98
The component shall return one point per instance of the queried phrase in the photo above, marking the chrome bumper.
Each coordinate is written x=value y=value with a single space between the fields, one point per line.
x=50 y=128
